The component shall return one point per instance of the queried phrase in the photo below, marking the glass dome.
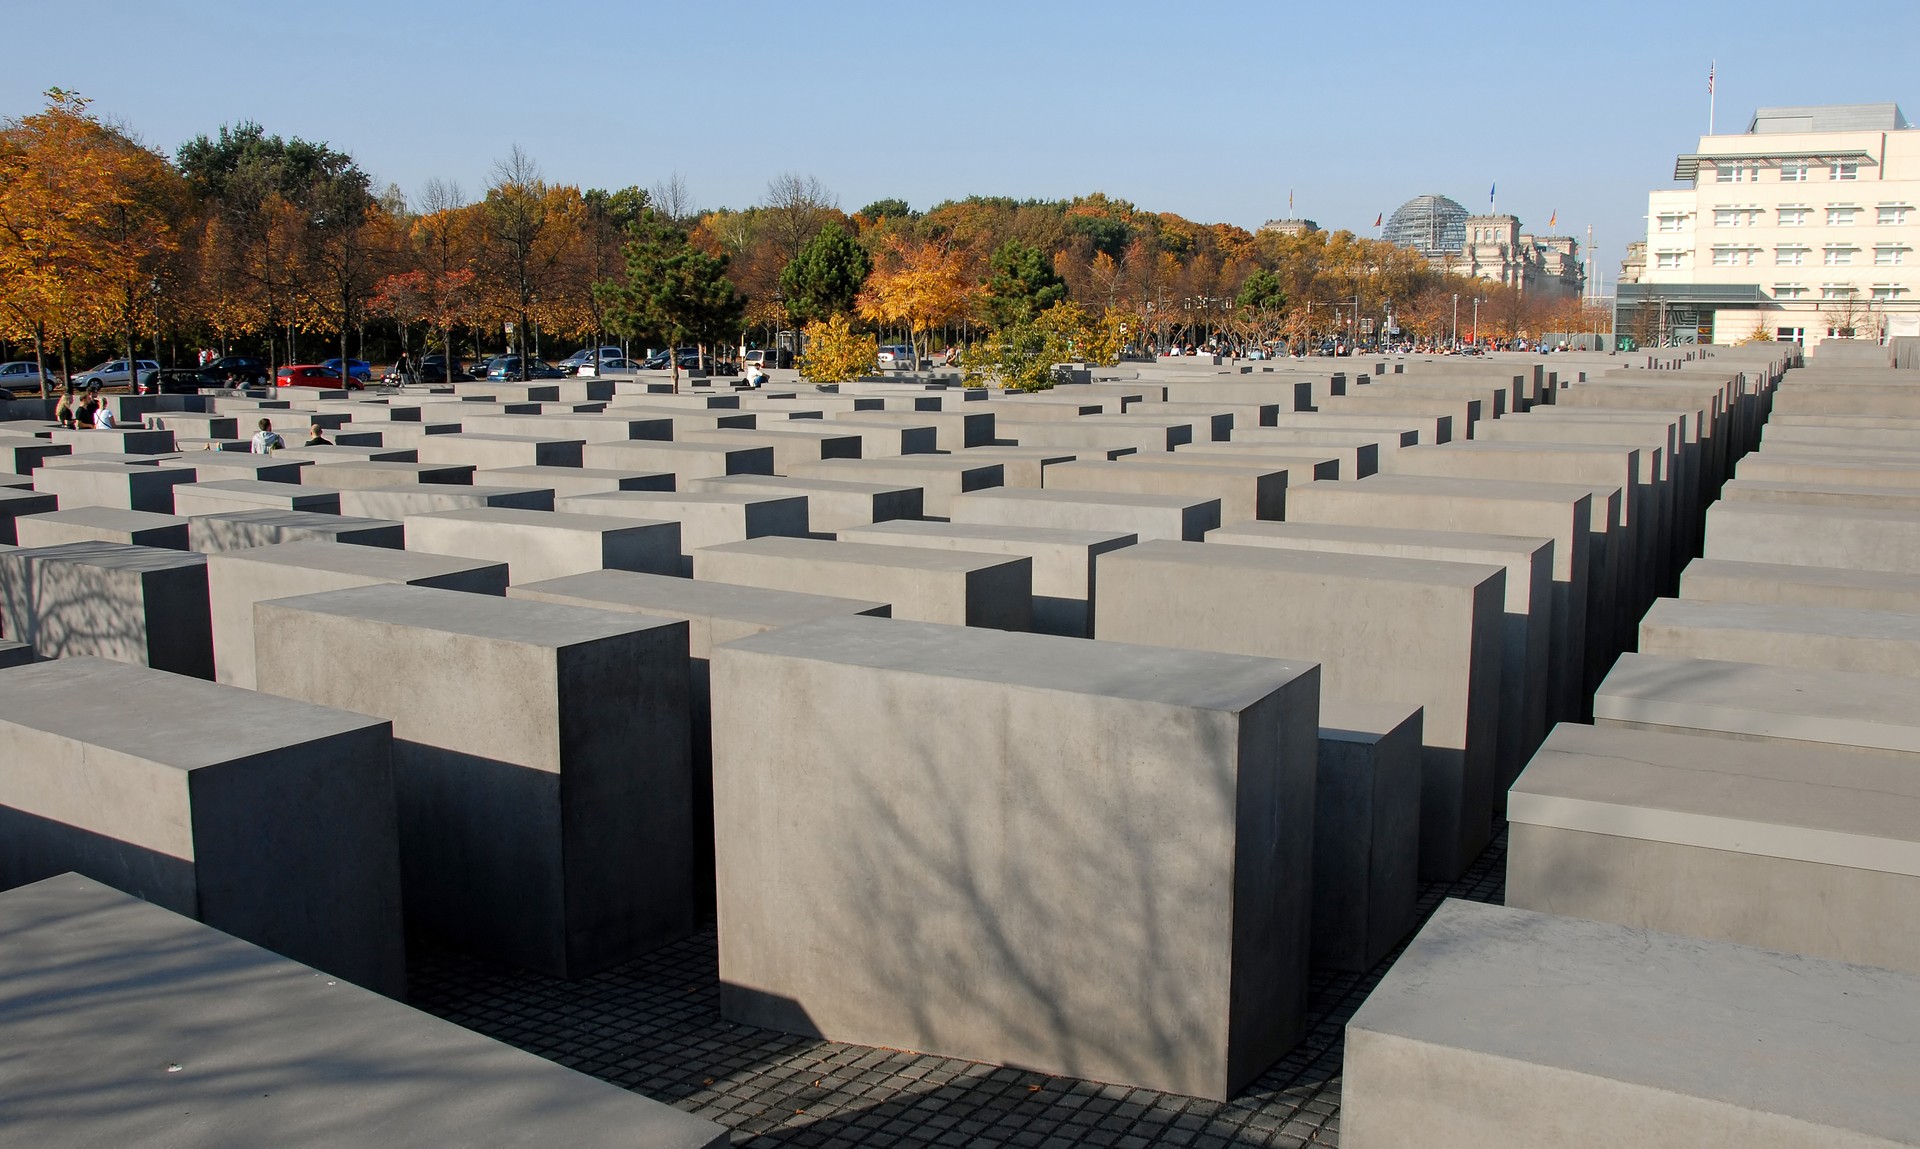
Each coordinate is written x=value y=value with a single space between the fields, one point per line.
x=1430 y=224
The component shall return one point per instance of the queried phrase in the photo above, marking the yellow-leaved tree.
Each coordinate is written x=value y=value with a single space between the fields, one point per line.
x=919 y=286
x=835 y=352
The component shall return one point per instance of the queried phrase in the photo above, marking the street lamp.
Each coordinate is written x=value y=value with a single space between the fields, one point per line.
x=1453 y=336
x=1476 y=320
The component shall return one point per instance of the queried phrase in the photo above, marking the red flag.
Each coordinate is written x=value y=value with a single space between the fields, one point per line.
x=1378 y=218
x=1555 y=221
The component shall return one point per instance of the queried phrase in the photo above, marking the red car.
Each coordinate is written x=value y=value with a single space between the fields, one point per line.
x=313 y=375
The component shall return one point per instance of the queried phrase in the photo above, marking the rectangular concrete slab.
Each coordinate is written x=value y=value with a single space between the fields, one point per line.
x=1758 y=843
x=961 y=588
x=540 y=761
x=1010 y=793
x=1722 y=580
x=1421 y=633
x=547 y=544
x=238 y=530
x=564 y=481
x=1830 y=637
x=142 y=605
x=104 y=525
x=1366 y=831
x=255 y=1049
x=706 y=518
x=238 y=579
x=941 y=478
x=130 y=487
x=1064 y=597
x=268 y=818
x=1590 y=1035
x=398 y=502
x=1145 y=516
x=1811 y=535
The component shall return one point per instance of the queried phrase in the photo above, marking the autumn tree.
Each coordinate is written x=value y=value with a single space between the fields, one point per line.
x=523 y=245
x=919 y=287
x=835 y=352
x=673 y=291
x=795 y=209
x=47 y=190
x=437 y=287
x=826 y=277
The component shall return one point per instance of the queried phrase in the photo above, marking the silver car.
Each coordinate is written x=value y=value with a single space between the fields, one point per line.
x=896 y=357
x=114 y=373
x=20 y=375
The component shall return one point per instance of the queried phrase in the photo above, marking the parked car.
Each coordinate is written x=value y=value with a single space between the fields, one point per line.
x=239 y=368
x=114 y=373
x=689 y=360
x=435 y=371
x=178 y=381
x=507 y=367
x=588 y=354
x=20 y=375
x=356 y=368
x=769 y=358
x=313 y=375
x=896 y=357
x=618 y=366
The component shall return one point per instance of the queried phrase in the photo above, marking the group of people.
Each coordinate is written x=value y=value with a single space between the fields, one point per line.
x=267 y=440
x=82 y=411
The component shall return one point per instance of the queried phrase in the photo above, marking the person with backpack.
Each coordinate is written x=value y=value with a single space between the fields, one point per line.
x=265 y=441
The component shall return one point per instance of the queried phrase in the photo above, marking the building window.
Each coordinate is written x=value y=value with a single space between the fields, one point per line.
x=1786 y=256
x=1667 y=260
x=1793 y=172
x=1845 y=170
x=1727 y=217
x=1793 y=217
x=1893 y=214
x=1671 y=223
x=1789 y=291
x=1839 y=256
x=1889 y=255
x=1832 y=291
x=1888 y=291
x=1840 y=216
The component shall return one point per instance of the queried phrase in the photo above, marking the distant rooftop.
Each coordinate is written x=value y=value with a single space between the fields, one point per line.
x=1829 y=118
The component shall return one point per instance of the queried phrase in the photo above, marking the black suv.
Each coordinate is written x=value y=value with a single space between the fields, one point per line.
x=239 y=368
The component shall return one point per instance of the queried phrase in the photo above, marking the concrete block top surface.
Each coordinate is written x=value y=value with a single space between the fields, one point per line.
x=384 y=563
x=1822 y=1041
x=1010 y=532
x=1326 y=564
x=153 y=716
x=1835 y=621
x=1449 y=487
x=1183 y=678
x=1104 y=498
x=689 y=598
x=202 y=1039
x=865 y=554
x=1838 y=807
x=114 y=556
x=274 y=517
x=1381 y=536
x=522 y=622
x=112 y=518
x=1773 y=575
x=1749 y=699
x=522 y=517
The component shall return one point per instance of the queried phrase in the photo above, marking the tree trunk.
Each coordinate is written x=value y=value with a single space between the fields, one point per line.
x=40 y=358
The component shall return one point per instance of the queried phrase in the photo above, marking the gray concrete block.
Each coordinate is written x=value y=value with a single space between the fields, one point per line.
x=134 y=604
x=372 y=473
x=1146 y=516
x=961 y=897
x=1609 y=1035
x=1722 y=580
x=23 y=454
x=941 y=478
x=398 y=502
x=128 y=487
x=1822 y=495
x=1366 y=831
x=540 y=761
x=230 y=466
x=1755 y=702
x=1830 y=637
x=1244 y=492
x=1528 y=618
x=706 y=518
x=961 y=588
x=1064 y=597
x=954 y=430
x=714 y=612
x=491 y=451
x=563 y=481
x=129 y=441
x=832 y=504
x=1761 y=844
x=14 y=653
x=686 y=461
x=212 y=498
x=1023 y=466
x=791 y=444
x=267 y=818
x=1809 y=535
x=238 y=530
x=104 y=525
x=1417 y=632
x=877 y=440
x=547 y=544
x=237 y=579
x=16 y=504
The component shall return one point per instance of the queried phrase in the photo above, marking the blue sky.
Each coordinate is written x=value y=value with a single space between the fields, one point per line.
x=1213 y=110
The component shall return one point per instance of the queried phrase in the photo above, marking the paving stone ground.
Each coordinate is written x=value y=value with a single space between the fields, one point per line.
x=653 y=1026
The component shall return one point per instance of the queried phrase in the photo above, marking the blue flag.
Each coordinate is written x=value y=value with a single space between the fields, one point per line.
x=1493 y=193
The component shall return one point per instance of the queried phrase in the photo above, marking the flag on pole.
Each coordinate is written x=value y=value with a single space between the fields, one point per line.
x=1378 y=218
x=1554 y=219
x=1710 y=69
x=1289 y=202
x=1493 y=194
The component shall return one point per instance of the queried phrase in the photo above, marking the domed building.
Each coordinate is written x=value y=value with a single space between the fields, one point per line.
x=1432 y=225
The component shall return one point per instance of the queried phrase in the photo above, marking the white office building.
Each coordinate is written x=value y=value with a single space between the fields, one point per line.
x=1805 y=226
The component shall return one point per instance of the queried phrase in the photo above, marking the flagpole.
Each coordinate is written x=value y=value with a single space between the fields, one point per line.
x=1711 y=67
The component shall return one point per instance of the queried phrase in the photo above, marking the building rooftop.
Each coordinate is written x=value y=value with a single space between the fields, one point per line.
x=1829 y=118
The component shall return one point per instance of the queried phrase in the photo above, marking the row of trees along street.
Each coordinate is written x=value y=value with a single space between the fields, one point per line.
x=260 y=245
